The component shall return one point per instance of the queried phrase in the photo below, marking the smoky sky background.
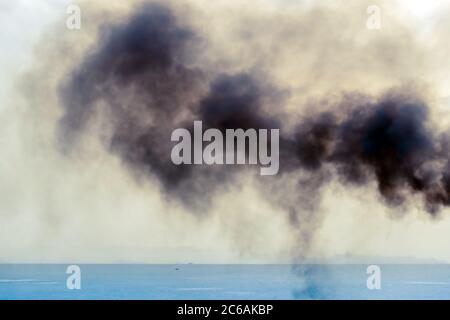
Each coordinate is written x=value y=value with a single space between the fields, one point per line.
x=86 y=172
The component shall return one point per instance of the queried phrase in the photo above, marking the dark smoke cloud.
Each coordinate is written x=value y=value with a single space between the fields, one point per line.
x=141 y=71
x=388 y=141
x=137 y=71
x=235 y=102
x=143 y=74
x=143 y=55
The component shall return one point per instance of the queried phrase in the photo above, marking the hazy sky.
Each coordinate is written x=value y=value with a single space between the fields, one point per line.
x=87 y=207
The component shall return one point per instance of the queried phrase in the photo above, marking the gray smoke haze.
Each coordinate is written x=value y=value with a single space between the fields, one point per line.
x=143 y=72
x=389 y=140
x=358 y=113
x=140 y=71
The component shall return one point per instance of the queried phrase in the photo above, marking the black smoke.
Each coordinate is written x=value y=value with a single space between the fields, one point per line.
x=144 y=77
x=235 y=102
x=388 y=141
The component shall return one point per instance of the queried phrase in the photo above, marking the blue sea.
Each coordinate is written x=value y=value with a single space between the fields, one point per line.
x=191 y=281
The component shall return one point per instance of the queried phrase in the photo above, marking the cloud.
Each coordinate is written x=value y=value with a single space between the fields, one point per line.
x=101 y=104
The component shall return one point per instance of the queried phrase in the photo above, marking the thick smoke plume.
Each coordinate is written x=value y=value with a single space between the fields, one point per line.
x=388 y=141
x=143 y=75
x=363 y=117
